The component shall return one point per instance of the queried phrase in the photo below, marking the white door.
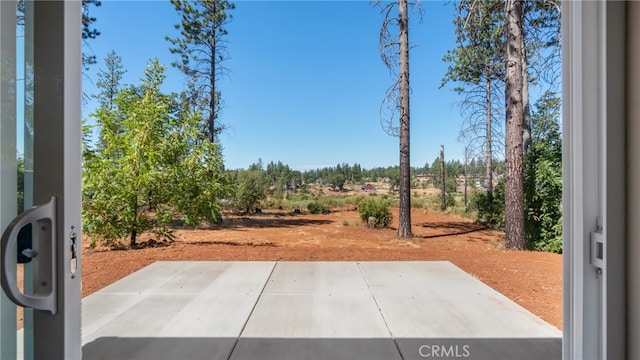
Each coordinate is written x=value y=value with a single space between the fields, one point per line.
x=40 y=150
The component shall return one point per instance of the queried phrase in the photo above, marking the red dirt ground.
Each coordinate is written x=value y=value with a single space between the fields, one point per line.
x=531 y=279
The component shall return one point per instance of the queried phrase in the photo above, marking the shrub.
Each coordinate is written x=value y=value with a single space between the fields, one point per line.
x=317 y=207
x=490 y=211
x=379 y=209
x=451 y=200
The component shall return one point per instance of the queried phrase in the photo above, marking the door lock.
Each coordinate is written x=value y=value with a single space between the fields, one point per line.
x=597 y=240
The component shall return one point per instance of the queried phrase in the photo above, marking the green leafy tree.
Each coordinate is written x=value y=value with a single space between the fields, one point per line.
x=155 y=165
x=338 y=181
x=202 y=48
x=543 y=180
x=250 y=189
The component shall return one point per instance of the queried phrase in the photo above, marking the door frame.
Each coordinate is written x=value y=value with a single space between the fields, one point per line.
x=57 y=156
x=594 y=178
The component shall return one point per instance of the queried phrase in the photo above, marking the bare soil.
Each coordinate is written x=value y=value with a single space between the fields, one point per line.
x=531 y=279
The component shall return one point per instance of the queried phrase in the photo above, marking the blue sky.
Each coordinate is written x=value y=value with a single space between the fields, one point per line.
x=305 y=81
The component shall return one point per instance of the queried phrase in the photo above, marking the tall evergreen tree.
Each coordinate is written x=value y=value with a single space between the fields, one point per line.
x=202 y=48
x=394 y=50
x=514 y=172
x=476 y=66
x=109 y=85
x=109 y=80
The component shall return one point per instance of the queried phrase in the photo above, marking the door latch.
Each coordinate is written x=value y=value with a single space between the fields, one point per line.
x=597 y=247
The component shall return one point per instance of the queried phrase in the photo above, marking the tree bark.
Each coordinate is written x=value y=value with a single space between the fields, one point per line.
x=132 y=242
x=514 y=194
x=212 y=93
x=526 y=110
x=489 y=171
x=404 y=227
x=465 y=179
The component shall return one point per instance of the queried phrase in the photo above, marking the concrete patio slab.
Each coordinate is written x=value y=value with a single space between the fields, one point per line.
x=308 y=310
x=439 y=300
x=316 y=300
x=199 y=307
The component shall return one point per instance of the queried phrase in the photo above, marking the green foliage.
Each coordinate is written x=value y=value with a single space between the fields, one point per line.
x=202 y=49
x=378 y=208
x=88 y=31
x=152 y=167
x=338 y=181
x=250 y=189
x=543 y=183
x=543 y=178
x=490 y=210
x=317 y=207
x=109 y=80
x=451 y=200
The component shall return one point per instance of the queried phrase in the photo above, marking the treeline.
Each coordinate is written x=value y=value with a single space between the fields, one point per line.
x=280 y=175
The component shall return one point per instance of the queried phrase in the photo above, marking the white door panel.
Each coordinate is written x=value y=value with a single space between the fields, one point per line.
x=43 y=97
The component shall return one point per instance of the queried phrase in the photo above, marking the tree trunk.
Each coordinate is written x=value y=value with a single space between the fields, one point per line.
x=134 y=213
x=134 y=234
x=443 y=181
x=514 y=194
x=489 y=171
x=465 y=179
x=404 y=227
x=526 y=110
x=212 y=91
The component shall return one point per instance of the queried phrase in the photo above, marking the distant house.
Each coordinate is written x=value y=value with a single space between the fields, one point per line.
x=368 y=187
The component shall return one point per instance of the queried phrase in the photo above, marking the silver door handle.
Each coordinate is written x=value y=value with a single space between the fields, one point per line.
x=44 y=271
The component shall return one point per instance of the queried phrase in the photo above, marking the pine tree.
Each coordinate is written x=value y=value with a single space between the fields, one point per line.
x=394 y=50
x=202 y=49
x=476 y=66
x=514 y=172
